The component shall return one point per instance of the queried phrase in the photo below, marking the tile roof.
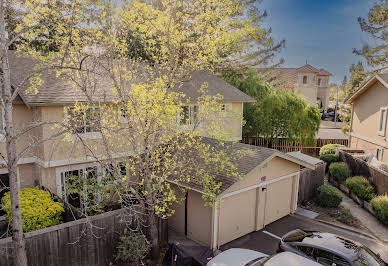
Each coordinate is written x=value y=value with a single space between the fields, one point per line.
x=307 y=68
x=57 y=90
x=323 y=72
x=288 y=77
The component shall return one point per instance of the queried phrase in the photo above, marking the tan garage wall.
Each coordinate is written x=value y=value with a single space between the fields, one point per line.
x=177 y=221
x=237 y=216
x=28 y=176
x=199 y=219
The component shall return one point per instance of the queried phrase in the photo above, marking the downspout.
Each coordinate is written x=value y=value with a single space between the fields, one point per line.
x=215 y=225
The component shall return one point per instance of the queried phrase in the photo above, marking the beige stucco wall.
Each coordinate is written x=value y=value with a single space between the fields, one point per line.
x=323 y=94
x=28 y=175
x=365 y=120
x=310 y=90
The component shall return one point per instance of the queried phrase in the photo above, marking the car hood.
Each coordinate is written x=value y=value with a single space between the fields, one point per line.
x=235 y=256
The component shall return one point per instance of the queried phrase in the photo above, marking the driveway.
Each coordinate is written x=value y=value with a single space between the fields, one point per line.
x=267 y=240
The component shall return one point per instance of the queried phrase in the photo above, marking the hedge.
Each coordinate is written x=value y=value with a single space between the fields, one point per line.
x=330 y=149
x=329 y=196
x=329 y=159
x=339 y=171
x=360 y=186
x=380 y=207
x=37 y=207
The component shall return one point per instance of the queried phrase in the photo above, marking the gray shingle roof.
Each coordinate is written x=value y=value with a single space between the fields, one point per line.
x=304 y=157
x=245 y=163
x=56 y=90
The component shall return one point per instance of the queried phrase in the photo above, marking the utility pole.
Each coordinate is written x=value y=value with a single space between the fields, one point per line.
x=335 y=110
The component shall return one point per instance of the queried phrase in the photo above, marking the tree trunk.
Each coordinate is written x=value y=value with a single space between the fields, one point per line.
x=154 y=236
x=6 y=95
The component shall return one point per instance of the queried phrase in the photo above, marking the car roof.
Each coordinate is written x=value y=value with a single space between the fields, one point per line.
x=290 y=259
x=235 y=256
x=334 y=243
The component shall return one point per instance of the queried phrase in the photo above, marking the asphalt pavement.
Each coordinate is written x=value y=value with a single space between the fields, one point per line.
x=267 y=239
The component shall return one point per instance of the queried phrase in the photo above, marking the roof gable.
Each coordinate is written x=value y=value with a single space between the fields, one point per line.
x=382 y=78
x=307 y=68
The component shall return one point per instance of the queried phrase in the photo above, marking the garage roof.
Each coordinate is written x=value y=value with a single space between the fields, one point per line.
x=243 y=156
x=304 y=157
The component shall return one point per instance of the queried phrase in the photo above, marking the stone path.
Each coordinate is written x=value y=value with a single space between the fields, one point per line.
x=378 y=229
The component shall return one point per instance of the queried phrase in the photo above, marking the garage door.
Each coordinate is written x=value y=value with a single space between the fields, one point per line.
x=278 y=200
x=237 y=216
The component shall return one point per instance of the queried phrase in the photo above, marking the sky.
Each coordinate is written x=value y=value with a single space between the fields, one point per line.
x=323 y=32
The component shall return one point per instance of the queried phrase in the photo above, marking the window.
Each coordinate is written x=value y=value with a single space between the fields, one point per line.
x=304 y=79
x=85 y=121
x=306 y=250
x=323 y=257
x=379 y=154
x=382 y=121
x=319 y=82
x=66 y=176
x=113 y=169
x=188 y=115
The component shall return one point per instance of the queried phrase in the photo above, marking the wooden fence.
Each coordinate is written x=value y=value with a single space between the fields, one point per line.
x=376 y=176
x=81 y=242
x=309 y=181
x=285 y=146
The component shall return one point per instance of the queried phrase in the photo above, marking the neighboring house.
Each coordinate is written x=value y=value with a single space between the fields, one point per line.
x=368 y=125
x=307 y=81
x=266 y=191
x=51 y=162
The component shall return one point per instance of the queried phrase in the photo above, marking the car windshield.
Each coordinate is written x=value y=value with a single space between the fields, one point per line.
x=258 y=261
x=366 y=258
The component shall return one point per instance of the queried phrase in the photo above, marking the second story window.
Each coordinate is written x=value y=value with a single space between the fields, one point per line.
x=304 y=79
x=383 y=121
x=319 y=82
x=188 y=115
x=85 y=121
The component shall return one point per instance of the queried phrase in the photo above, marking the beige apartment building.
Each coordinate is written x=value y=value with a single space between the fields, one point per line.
x=49 y=163
x=253 y=195
x=368 y=127
x=306 y=81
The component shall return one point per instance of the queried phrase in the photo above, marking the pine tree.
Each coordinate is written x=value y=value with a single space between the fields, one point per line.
x=376 y=26
x=357 y=78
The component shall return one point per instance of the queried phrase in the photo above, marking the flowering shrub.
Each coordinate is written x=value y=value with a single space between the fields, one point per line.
x=330 y=149
x=37 y=207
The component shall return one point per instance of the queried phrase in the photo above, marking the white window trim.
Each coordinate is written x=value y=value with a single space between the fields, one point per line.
x=384 y=121
x=84 y=135
x=60 y=170
x=190 y=124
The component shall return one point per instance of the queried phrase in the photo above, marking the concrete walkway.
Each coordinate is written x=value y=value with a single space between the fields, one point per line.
x=377 y=228
x=177 y=238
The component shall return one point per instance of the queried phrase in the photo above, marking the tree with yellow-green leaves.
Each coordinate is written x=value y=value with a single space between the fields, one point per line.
x=135 y=99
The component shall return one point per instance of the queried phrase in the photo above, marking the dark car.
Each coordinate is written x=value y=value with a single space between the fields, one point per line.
x=328 y=249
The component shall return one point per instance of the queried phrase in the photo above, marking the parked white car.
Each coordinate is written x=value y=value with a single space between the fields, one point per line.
x=247 y=257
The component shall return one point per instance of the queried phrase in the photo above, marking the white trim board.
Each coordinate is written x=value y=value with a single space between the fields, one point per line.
x=381 y=144
x=258 y=185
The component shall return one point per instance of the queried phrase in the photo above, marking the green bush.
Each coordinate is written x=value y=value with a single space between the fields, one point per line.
x=329 y=149
x=329 y=159
x=380 y=207
x=37 y=207
x=339 y=171
x=360 y=186
x=329 y=196
x=133 y=247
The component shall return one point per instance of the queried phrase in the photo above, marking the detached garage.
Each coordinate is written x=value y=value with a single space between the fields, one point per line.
x=267 y=191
